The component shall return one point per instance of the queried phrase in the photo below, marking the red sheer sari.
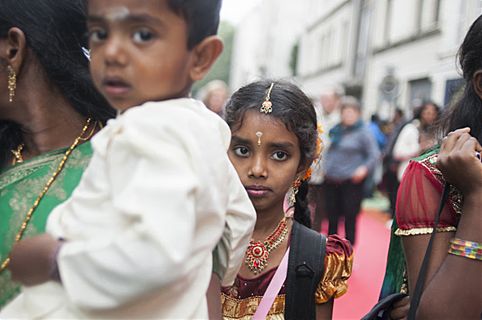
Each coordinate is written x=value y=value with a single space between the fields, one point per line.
x=419 y=197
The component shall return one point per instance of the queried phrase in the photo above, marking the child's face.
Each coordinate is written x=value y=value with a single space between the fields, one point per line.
x=266 y=156
x=138 y=51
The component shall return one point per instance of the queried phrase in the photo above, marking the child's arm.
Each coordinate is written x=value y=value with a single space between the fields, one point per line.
x=213 y=296
x=240 y=221
x=32 y=261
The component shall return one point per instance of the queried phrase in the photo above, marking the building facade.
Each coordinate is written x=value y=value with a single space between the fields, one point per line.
x=389 y=53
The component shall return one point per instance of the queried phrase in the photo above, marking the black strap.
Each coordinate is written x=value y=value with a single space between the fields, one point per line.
x=422 y=275
x=305 y=269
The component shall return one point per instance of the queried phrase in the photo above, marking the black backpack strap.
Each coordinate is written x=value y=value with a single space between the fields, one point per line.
x=422 y=275
x=305 y=269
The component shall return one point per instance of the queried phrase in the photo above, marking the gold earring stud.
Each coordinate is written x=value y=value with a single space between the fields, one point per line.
x=12 y=83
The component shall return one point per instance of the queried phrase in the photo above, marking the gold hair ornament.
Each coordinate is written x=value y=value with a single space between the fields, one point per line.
x=267 y=106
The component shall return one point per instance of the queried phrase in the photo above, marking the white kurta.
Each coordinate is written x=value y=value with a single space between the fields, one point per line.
x=141 y=226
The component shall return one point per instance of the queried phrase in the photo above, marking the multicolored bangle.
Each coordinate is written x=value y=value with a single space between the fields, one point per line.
x=466 y=249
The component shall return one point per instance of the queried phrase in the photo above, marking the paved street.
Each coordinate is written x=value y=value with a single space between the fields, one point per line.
x=369 y=266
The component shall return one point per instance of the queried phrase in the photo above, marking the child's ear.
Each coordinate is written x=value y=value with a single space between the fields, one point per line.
x=205 y=54
x=477 y=82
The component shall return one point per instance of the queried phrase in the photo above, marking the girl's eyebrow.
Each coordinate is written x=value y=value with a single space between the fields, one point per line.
x=282 y=145
x=274 y=145
x=237 y=139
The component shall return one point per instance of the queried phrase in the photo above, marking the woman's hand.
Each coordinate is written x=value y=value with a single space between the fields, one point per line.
x=400 y=309
x=32 y=261
x=458 y=163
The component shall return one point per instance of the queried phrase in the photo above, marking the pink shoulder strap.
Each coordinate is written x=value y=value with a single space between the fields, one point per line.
x=273 y=289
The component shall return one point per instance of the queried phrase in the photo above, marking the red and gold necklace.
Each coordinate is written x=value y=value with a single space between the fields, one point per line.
x=258 y=252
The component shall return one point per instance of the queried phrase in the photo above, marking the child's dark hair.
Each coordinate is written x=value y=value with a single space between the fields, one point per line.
x=467 y=112
x=295 y=110
x=55 y=32
x=202 y=18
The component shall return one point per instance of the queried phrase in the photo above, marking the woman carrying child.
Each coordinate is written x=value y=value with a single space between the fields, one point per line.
x=274 y=142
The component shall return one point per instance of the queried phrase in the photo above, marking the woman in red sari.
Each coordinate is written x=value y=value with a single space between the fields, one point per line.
x=453 y=289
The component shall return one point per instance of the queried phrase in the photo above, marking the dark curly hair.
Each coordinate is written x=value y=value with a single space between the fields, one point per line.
x=55 y=32
x=295 y=110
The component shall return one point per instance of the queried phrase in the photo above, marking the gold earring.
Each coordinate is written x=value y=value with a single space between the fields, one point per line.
x=12 y=83
x=293 y=192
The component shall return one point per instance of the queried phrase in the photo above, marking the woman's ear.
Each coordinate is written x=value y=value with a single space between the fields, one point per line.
x=205 y=54
x=477 y=83
x=13 y=49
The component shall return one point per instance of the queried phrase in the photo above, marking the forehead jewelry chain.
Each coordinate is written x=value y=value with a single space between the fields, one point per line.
x=259 y=134
x=61 y=165
x=267 y=106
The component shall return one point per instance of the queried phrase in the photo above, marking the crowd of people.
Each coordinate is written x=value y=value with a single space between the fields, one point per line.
x=123 y=197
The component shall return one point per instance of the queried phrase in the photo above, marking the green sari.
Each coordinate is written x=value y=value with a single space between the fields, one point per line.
x=20 y=185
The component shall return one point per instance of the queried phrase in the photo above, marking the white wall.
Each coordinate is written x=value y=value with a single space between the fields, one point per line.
x=266 y=36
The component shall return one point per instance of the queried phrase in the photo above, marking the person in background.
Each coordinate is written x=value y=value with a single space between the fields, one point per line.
x=328 y=115
x=215 y=94
x=375 y=177
x=416 y=136
x=351 y=156
x=390 y=164
x=375 y=128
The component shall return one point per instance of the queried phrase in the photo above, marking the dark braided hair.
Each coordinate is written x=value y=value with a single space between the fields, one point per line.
x=295 y=110
x=467 y=111
x=55 y=33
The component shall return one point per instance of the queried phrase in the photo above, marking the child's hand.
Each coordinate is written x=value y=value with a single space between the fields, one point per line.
x=458 y=162
x=32 y=261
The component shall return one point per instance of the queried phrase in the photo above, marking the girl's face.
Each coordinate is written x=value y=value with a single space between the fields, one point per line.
x=266 y=156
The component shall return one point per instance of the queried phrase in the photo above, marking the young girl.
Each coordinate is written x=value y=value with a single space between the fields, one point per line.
x=274 y=142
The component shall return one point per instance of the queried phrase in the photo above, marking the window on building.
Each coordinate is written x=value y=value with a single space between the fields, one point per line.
x=453 y=89
x=428 y=14
x=419 y=90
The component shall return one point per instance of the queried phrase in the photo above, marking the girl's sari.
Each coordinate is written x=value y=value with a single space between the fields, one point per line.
x=20 y=186
x=417 y=203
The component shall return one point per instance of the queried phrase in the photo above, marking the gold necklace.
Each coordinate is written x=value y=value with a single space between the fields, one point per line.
x=17 y=154
x=54 y=176
x=258 y=252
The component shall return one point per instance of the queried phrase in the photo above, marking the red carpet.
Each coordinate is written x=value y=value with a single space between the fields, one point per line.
x=368 y=270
